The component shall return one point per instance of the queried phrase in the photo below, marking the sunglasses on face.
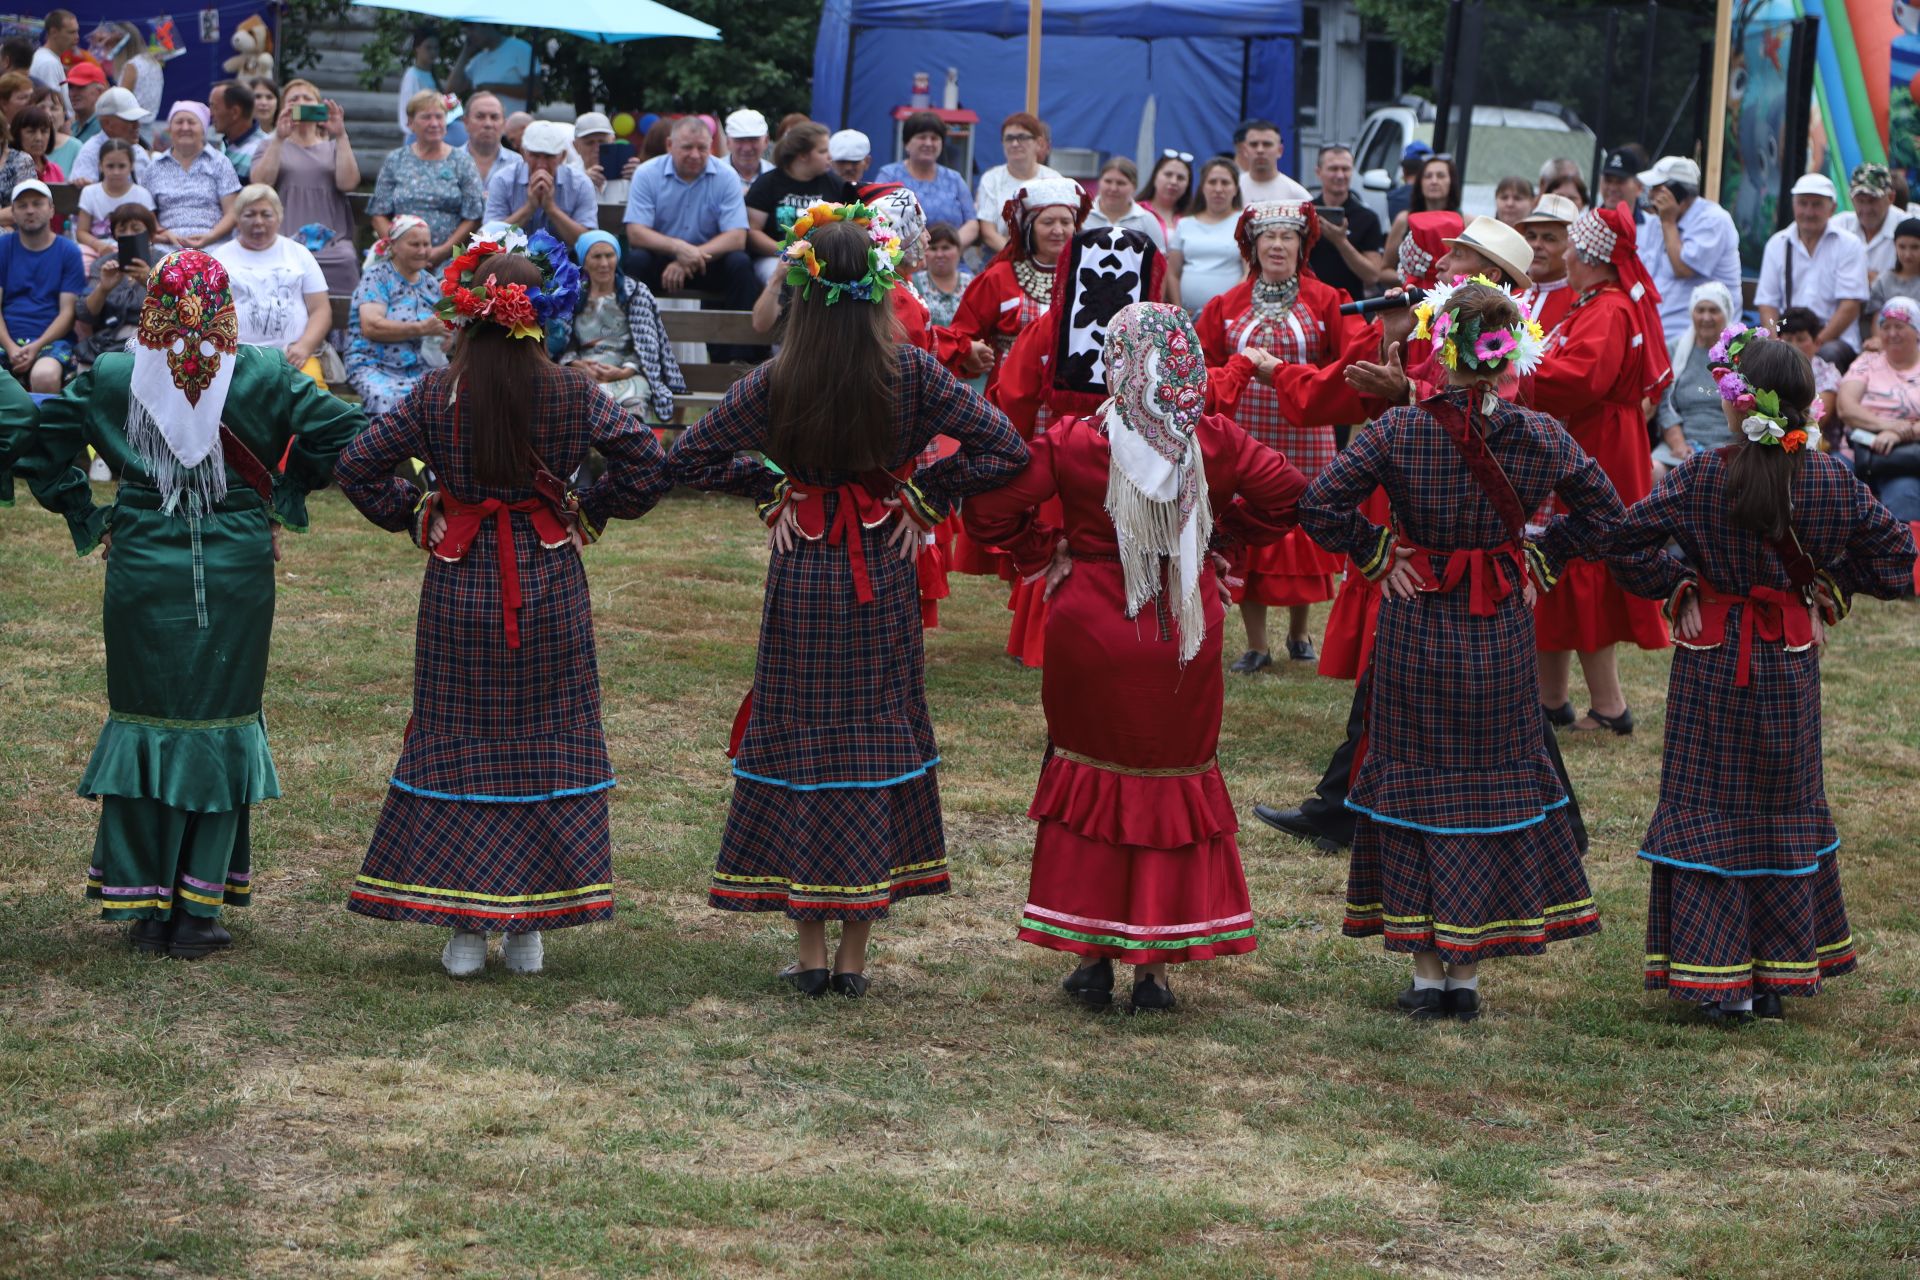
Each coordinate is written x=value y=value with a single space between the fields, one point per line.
x=1185 y=157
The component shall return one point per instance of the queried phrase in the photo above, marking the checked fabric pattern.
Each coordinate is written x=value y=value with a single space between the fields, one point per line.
x=1715 y=937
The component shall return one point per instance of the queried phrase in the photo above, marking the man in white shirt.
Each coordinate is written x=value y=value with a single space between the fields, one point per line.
x=1257 y=150
x=1694 y=241
x=1871 y=189
x=49 y=67
x=1816 y=265
x=851 y=152
x=746 y=131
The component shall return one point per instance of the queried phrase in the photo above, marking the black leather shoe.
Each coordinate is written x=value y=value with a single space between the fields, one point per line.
x=1767 y=1004
x=1295 y=823
x=1091 y=984
x=1726 y=1017
x=1150 y=997
x=1250 y=662
x=1409 y=998
x=850 y=985
x=196 y=936
x=1621 y=724
x=808 y=982
x=1300 y=650
x=1424 y=1005
x=1463 y=1004
x=149 y=936
x=1561 y=716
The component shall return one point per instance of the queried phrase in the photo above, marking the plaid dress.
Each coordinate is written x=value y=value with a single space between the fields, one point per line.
x=496 y=814
x=1746 y=880
x=1463 y=843
x=836 y=806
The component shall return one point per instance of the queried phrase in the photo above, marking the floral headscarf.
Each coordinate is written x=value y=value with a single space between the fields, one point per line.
x=1157 y=485
x=183 y=361
x=899 y=209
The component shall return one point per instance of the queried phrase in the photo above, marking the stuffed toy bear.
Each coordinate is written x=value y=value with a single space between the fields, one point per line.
x=252 y=49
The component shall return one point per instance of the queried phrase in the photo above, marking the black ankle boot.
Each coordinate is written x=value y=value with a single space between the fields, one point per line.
x=1150 y=996
x=1091 y=984
x=194 y=937
x=149 y=936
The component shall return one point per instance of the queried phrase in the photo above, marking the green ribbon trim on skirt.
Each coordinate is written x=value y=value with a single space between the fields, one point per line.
x=161 y=722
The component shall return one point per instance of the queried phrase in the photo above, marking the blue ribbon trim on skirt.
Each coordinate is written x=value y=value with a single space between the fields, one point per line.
x=921 y=772
x=1716 y=871
x=538 y=799
x=1460 y=831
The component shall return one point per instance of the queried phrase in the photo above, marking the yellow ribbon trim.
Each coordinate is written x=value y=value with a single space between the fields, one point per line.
x=831 y=888
x=432 y=891
x=1177 y=771
x=1561 y=909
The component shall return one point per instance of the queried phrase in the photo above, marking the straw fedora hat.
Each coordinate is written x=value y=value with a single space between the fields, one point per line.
x=1501 y=245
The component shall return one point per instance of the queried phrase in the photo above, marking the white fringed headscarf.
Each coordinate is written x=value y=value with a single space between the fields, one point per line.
x=183 y=362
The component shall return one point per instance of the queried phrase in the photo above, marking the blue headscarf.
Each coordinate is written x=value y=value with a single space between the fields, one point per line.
x=558 y=335
x=588 y=239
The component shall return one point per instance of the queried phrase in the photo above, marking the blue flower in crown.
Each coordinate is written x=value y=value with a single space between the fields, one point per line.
x=560 y=289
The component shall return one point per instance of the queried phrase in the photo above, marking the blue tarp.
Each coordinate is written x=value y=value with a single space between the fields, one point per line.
x=197 y=69
x=1207 y=63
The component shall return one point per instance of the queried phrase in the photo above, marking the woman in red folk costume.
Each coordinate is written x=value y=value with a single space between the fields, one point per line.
x=1463 y=850
x=1604 y=361
x=1015 y=290
x=1135 y=858
x=496 y=815
x=1744 y=906
x=836 y=806
x=1284 y=310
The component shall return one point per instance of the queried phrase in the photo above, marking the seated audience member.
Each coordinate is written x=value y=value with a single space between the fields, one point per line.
x=802 y=177
x=65 y=148
x=16 y=167
x=430 y=180
x=943 y=193
x=16 y=91
x=1572 y=186
x=111 y=309
x=1114 y=205
x=393 y=336
x=1690 y=417
x=41 y=281
x=486 y=128
x=591 y=132
x=193 y=186
x=1829 y=270
x=942 y=280
x=279 y=291
x=120 y=117
x=1870 y=188
x=616 y=337
x=1688 y=241
x=1900 y=280
x=1513 y=199
x=99 y=200
x=33 y=134
x=514 y=130
x=850 y=152
x=312 y=166
x=15 y=55
x=544 y=193
x=659 y=138
x=1621 y=183
x=1880 y=394
x=746 y=132
x=234 y=133
x=1023 y=139
x=686 y=226
x=1799 y=326
x=266 y=103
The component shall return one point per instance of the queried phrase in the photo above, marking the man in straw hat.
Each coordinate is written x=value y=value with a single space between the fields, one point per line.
x=1547 y=300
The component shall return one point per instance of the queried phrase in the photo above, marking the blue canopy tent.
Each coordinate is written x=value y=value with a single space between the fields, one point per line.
x=1207 y=65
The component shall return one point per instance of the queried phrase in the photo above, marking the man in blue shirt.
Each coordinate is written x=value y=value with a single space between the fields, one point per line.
x=687 y=228
x=544 y=194
x=498 y=63
x=40 y=281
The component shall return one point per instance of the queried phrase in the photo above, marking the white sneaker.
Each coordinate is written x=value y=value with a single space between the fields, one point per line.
x=465 y=953
x=523 y=952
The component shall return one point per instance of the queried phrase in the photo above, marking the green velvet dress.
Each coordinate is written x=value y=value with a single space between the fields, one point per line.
x=188 y=615
x=18 y=418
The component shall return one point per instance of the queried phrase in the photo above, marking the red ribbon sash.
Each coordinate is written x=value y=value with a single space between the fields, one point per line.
x=1484 y=569
x=464 y=522
x=1775 y=615
x=856 y=510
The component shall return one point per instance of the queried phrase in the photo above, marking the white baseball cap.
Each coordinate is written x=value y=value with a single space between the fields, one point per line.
x=849 y=144
x=545 y=138
x=120 y=103
x=1671 y=169
x=746 y=123
x=34 y=185
x=591 y=123
x=1814 y=184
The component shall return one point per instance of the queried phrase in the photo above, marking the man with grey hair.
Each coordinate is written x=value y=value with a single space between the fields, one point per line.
x=1697 y=241
x=687 y=227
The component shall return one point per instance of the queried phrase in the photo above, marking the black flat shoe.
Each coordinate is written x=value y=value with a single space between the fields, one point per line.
x=1409 y=999
x=1295 y=823
x=1424 y=1005
x=1091 y=984
x=850 y=985
x=1300 y=650
x=808 y=982
x=1250 y=662
x=1150 y=997
x=1720 y=1017
x=1561 y=716
x=1767 y=1004
x=1463 y=1004
x=149 y=936
x=194 y=937
x=1621 y=724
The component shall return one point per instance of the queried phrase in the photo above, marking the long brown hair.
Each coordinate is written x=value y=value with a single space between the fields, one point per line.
x=830 y=390
x=497 y=376
x=1760 y=477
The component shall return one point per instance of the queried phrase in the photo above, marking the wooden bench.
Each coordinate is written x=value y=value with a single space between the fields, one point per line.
x=706 y=381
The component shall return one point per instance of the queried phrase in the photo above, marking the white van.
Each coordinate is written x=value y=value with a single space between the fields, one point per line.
x=1505 y=141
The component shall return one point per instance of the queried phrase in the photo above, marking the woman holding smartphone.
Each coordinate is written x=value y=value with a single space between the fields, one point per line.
x=309 y=162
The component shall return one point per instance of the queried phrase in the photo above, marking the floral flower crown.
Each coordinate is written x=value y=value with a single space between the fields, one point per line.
x=522 y=312
x=1465 y=344
x=1765 y=422
x=883 y=254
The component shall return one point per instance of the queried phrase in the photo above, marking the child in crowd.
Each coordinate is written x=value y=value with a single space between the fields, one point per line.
x=1801 y=328
x=100 y=200
x=1903 y=281
x=111 y=310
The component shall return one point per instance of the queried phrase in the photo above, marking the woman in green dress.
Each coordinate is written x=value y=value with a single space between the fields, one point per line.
x=193 y=534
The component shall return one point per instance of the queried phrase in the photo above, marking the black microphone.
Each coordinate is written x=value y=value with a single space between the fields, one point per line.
x=1369 y=307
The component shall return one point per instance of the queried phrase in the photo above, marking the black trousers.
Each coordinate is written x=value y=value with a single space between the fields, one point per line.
x=1327 y=810
x=731 y=275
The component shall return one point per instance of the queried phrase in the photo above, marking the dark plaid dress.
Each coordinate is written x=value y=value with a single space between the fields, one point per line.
x=1462 y=843
x=836 y=809
x=1745 y=893
x=496 y=815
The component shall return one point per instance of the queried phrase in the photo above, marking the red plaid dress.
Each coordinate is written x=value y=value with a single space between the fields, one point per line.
x=1462 y=843
x=1135 y=856
x=1293 y=570
x=496 y=814
x=836 y=806
x=1746 y=879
